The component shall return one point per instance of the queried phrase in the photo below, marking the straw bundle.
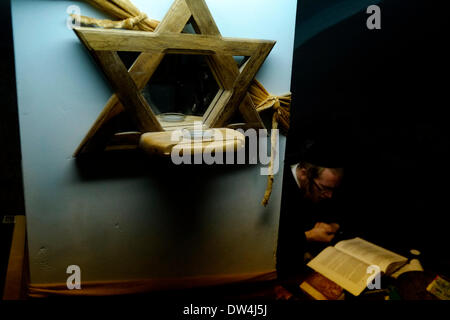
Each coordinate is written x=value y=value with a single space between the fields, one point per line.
x=263 y=100
x=122 y=9
x=130 y=23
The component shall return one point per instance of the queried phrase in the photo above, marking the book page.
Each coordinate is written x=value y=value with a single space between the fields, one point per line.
x=371 y=254
x=413 y=265
x=347 y=271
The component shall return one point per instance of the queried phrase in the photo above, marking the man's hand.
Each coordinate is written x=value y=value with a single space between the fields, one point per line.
x=322 y=232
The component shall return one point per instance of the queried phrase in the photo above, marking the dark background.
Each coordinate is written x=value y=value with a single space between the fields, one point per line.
x=11 y=189
x=383 y=95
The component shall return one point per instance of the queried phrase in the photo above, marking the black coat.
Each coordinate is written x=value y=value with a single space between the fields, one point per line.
x=298 y=215
x=291 y=235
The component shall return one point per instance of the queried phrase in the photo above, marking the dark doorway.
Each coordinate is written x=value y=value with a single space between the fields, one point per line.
x=384 y=93
x=11 y=187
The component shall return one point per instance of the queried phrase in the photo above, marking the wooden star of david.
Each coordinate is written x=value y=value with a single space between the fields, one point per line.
x=103 y=44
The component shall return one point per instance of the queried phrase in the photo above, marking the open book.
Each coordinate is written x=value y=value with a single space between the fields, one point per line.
x=347 y=263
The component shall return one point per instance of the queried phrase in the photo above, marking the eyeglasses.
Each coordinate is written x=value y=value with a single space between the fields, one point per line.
x=323 y=189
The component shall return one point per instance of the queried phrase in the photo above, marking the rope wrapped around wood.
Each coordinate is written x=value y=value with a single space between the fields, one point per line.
x=124 y=9
x=280 y=119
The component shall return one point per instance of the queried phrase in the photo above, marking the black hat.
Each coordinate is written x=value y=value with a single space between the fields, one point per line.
x=328 y=153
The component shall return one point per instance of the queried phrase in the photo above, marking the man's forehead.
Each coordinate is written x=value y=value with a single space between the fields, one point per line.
x=330 y=176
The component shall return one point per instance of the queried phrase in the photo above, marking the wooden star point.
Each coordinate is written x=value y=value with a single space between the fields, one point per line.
x=104 y=44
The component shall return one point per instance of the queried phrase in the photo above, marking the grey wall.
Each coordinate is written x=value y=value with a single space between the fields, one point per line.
x=158 y=220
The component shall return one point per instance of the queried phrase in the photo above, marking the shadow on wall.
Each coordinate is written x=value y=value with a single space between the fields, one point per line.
x=11 y=186
x=180 y=188
x=136 y=163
